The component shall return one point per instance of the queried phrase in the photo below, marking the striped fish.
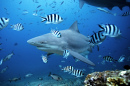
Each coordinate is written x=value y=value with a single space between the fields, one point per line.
x=109 y=59
x=110 y=30
x=126 y=14
x=68 y=69
x=17 y=27
x=44 y=59
x=77 y=73
x=97 y=38
x=3 y=22
x=56 y=33
x=66 y=54
x=52 y=18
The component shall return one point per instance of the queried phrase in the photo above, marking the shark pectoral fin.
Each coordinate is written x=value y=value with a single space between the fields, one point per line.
x=81 y=3
x=81 y=58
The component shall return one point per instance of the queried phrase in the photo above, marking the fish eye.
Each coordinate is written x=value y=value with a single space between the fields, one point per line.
x=6 y=18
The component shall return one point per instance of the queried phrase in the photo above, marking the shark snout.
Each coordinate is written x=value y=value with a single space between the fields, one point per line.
x=30 y=42
x=35 y=43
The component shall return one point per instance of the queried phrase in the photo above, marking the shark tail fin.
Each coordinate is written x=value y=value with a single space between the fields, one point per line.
x=81 y=3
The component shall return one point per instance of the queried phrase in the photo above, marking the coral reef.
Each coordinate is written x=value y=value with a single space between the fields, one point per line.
x=108 y=78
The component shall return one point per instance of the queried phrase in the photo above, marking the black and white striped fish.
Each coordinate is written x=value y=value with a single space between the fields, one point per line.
x=66 y=54
x=17 y=27
x=68 y=69
x=77 y=73
x=52 y=18
x=110 y=30
x=3 y=22
x=97 y=38
x=56 y=33
x=126 y=14
x=109 y=59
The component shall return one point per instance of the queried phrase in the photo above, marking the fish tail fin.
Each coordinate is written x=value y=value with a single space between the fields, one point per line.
x=11 y=26
x=19 y=78
x=98 y=47
x=43 y=19
x=115 y=61
x=13 y=52
x=101 y=26
x=49 y=74
x=7 y=66
x=10 y=81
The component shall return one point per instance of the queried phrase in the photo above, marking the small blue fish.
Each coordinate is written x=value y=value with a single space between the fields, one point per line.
x=17 y=27
x=56 y=33
x=121 y=59
x=66 y=54
x=1 y=61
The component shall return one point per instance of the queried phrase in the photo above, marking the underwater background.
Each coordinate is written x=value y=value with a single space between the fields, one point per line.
x=27 y=59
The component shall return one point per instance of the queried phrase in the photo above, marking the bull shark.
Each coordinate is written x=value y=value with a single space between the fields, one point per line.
x=105 y=3
x=79 y=46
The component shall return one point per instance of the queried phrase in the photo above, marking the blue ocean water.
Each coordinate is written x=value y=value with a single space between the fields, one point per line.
x=27 y=59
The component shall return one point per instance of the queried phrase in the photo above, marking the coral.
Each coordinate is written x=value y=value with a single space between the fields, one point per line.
x=108 y=78
x=116 y=81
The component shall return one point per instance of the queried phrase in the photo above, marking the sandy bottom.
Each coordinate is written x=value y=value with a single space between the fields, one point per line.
x=47 y=81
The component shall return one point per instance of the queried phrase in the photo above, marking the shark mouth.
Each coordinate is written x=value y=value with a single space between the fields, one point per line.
x=42 y=47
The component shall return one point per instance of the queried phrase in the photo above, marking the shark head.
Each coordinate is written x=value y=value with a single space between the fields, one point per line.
x=47 y=42
x=70 y=39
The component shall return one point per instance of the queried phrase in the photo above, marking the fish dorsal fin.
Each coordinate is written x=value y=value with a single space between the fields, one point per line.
x=74 y=27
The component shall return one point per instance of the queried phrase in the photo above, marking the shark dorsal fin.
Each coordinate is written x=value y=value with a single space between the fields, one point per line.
x=74 y=27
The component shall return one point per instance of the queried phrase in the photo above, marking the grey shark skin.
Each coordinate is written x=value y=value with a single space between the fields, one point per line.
x=70 y=39
x=105 y=3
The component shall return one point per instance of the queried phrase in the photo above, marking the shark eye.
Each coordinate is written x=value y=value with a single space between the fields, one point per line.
x=42 y=42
